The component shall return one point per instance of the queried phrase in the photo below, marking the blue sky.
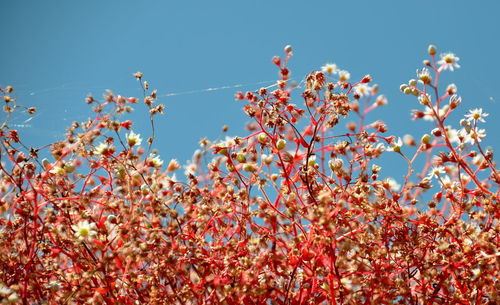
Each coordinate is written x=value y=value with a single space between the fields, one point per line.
x=56 y=52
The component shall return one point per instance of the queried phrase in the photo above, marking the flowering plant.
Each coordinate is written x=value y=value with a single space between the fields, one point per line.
x=295 y=212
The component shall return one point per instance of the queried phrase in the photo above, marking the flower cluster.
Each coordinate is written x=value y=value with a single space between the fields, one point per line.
x=297 y=211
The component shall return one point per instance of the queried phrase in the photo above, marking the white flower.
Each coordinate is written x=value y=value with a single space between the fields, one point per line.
x=134 y=139
x=429 y=113
x=393 y=184
x=190 y=169
x=84 y=230
x=344 y=75
x=362 y=90
x=436 y=172
x=267 y=159
x=445 y=181
x=173 y=165
x=449 y=61
x=329 y=68
x=335 y=164
x=381 y=100
x=476 y=115
x=4 y=290
x=380 y=147
x=424 y=76
x=155 y=161
x=101 y=149
x=475 y=135
x=452 y=134
x=395 y=146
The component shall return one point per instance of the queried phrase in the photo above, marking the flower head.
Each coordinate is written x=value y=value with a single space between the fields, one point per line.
x=436 y=171
x=344 y=75
x=134 y=139
x=474 y=135
x=393 y=184
x=449 y=61
x=424 y=75
x=476 y=115
x=102 y=149
x=173 y=165
x=362 y=90
x=329 y=68
x=84 y=230
x=155 y=161
x=395 y=146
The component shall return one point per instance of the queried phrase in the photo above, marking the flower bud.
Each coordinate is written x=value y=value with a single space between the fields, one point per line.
x=455 y=100
x=412 y=82
x=335 y=164
x=436 y=132
x=267 y=159
x=230 y=167
x=280 y=144
x=409 y=140
x=403 y=87
x=407 y=90
x=451 y=89
x=432 y=50
x=288 y=49
x=262 y=138
x=69 y=167
x=249 y=167
x=366 y=79
x=241 y=157
x=424 y=100
x=426 y=139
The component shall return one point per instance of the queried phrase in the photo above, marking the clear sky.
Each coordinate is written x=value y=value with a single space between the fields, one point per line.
x=56 y=52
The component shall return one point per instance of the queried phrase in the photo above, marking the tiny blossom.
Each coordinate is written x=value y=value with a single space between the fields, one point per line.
x=155 y=160
x=4 y=290
x=101 y=149
x=424 y=99
x=436 y=171
x=381 y=100
x=362 y=90
x=429 y=113
x=344 y=75
x=329 y=68
x=393 y=184
x=424 y=76
x=190 y=169
x=173 y=165
x=451 y=89
x=335 y=164
x=380 y=147
x=475 y=135
x=445 y=181
x=449 y=61
x=395 y=146
x=452 y=134
x=134 y=139
x=267 y=159
x=84 y=229
x=476 y=115
x=478 y=160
